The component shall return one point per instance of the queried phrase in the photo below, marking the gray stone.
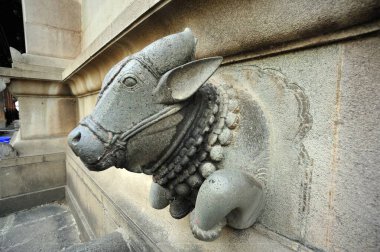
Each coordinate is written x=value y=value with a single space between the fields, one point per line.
x=51 y=228
x=354 y=209
x=174 y=95
x=123 y=198
x=28 y=200
x=113 y=242
x=227 y=196
x=207 y=169
x=45 y=228
x=157 y=196
x=171 y=87
x=156 y=114
x=7 y=151
x=31 y=177
x=216 y=153
x=301 y=187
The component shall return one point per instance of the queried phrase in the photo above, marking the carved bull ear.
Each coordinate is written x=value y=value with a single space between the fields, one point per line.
x=182 y=82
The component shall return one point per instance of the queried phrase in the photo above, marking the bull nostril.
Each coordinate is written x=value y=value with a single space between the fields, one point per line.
x=76 y=139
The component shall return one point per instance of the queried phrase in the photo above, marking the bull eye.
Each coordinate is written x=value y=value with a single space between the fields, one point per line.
x=129 y=81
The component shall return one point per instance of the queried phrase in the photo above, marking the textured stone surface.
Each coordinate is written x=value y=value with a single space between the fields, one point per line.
x=294 y=155
x=319 y=209
x=47 y=113
x=28 y=200
x=35 y=66
x=225 y=27
x=45 y=228
x=96 y=16
x=100 y=217
x=111 y=242
x=45 y=145
x=354 y=205
x=43 y=74
x=42 y=88
x=52 y=28
x=7 y=151
x=52 y=116
x=30 y=181
x=31 y=61
x=341 y=83
x=29 y=174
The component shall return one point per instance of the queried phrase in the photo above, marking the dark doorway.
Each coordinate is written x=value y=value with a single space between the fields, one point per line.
x=11 y=30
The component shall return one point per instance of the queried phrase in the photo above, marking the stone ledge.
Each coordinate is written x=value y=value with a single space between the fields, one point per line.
x=50 y=227
x=130 y=17
x=352 y=32
x=21 y=179
x=38 y=60
x=39 y=88
x=30 y=74
x=257 y=26
x=59 y=156
x=25 y=175
x=24 y=201
x=35 y=67
x=27 y=147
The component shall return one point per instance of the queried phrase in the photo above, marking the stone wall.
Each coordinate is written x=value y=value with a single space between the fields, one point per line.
x=309 y=199
x=98 y=16
x=335 y=204
x=47 y=113
x=52 y=28
x=27 y=182
x=315 y=80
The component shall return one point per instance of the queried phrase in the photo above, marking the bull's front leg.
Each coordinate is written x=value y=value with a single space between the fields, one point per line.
x=229 y=197
x=157 y=196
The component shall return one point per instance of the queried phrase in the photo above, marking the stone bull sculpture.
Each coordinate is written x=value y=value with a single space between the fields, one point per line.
x=157 y=114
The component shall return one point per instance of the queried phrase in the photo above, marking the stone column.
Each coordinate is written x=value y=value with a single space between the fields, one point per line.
x=47 y=114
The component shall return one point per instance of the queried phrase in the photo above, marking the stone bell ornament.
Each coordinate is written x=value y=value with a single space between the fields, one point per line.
x=157 y=114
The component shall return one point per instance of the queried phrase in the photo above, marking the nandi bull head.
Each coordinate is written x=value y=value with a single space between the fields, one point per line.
x=157 y=115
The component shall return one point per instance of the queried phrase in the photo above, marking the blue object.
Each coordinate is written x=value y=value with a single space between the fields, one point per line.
x=5 y=139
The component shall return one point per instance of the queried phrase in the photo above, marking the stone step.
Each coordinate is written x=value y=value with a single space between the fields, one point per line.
x=45 y=228
x=50 y=228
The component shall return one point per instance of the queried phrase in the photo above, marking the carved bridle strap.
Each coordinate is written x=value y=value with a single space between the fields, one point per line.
x=114 y=141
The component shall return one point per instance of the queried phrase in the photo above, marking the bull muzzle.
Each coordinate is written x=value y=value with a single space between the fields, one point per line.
x=86 y=145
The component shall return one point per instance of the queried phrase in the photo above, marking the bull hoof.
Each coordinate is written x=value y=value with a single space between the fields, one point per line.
x=157 y=196
x=180 y=208
x=206 y=235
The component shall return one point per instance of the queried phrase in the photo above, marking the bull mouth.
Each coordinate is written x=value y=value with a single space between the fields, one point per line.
x=106 y=162
x=115 y=143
